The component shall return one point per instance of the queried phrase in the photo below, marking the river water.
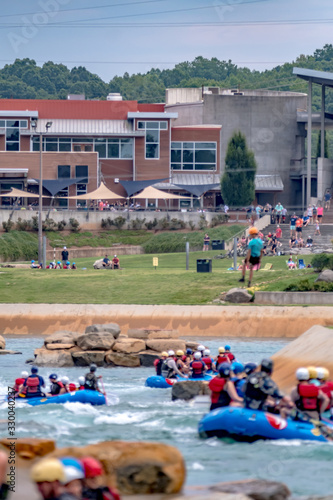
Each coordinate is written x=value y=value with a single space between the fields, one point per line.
x=140 y=413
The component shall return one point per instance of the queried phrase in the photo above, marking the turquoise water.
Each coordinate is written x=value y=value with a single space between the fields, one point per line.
x=141 y=413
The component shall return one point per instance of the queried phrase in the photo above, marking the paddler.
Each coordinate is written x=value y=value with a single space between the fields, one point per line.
x=32 y=386
x=55 y=385
x=207 y=359
x=19 y=382
x=169 y=367
x=223 y=390
x=91 y=379
x=197 y=366
x=308 y=398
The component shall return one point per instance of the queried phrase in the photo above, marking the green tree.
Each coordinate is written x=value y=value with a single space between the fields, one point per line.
x=318 y=155
x=237 y=183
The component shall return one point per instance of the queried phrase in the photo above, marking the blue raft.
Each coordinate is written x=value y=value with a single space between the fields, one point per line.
x=247 y=425
x=159 y=382
x=85 y=396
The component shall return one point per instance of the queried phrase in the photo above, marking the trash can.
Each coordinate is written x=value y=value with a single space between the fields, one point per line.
x=204 y=265
x=217 y=244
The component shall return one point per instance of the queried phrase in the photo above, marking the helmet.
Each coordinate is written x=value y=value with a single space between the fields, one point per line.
x=253 y=230
x=197 y=355
x=65 y=248
x=320 y=372
x=237 y=367
x=224 y=370
x=81 y=380
x=67 y=263
x=227 y=347
x=24 y=374
x=171 y=353
x=164 y=354
x=65 y=380
x=267 y=365
x=58 y=262
x=93 y=367
x=73 y=469
x=32 y=261
x=302 y=374
x=206 y=352
x=92 y=467
x=73 y=263
x=34 y=369
x=48 y=469
x=221 y=350
x=188 y=351
x=115 y=256
x=250 y=367
x=180 y=352
x=326 y=374
x=312 y=372
x=53 y=376
x=200 y=348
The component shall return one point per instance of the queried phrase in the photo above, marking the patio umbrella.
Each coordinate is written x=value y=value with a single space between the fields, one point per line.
x=101 y=193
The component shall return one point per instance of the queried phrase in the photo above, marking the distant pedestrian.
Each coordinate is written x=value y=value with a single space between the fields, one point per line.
x=327 y=198
x=206 y=243
x=64 y=256
x=278 y=211
x=320 y=212
x=317 y=231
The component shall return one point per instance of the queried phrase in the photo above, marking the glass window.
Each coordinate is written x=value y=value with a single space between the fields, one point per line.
x=100 y=148
x=82 y=171
x=152 y=150
x=152 y=136
x=205 y=145
x=163 y=125
x=176 y=155
x=65 y=146
x=12 y=134
x=126 y=148
x=61 y=198
x=141 y=125
x=188 y=145
x=152 y=125
x=176 y=145
x=64 y=171
x=200 y=166
x=187 y=156
x=193 y=155
x=12 y=146
x=23 y=124
x=13 y=123
x=2 y=123
x=113 y=150
x=50 y=144
x=204 y=156
x=35 y=143
x=82 y=140
x=176 y=166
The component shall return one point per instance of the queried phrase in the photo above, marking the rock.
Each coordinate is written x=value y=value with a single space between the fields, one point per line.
x=136 y=467
x=7 y=351
x=121 y=359
x=46 y=357
x=326 y=275
x=31 y=447
x=165 y=345
x=188 y=389
x=147 y=358
x=122 y=336
x=238 y=296
x=108 y=327
x=53 y=347
x=62 y=337
x=85 y=358
x=163 y=334
x=192 y=345
x=129 y=345
x=99 y=341
x=2 y=342
x=137 y=333
x=258 y=489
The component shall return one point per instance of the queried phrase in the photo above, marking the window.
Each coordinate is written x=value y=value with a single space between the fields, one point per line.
x=12 y=132
x=106 y=148
x=64 y=171
x=193 y=155
x=119 y=148
x=82 y=171
x=152 y=129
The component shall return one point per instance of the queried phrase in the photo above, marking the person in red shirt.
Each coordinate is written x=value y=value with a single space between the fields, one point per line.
x=115 y=262
x=223 y=390
x=278 y=233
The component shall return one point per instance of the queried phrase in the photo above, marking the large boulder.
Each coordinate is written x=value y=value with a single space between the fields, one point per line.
x=46 y=357
x=257 y=489
x=29 y=448
x=192 y=345
x=238 y=296
x=189 y=389
x=55 y=347
x=85 y=358
x=147 y=358
x=99 y=341
x=2 y=342
x=136 y=468
x=112 y=328
x=326 y=275
x=61 y=337
x=7 y=351
x=137 y=333
x=121 y=359
x=160 y=345
x=163 y=334
x=129 y=346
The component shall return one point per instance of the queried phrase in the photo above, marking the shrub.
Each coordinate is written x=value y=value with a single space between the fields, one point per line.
x=219 y=219
x=191 y=225
x=34 y=223
x=49 y=225
x=320 y=261
x=177 y=224
x=23 y=225
x=151 y=224
x=164 y=223
x=8 y=226
x=202 y=222
x=119 y=222
x=137 y=223
x=61 y=225
x=74 y=225
x=322 y=286
x=304 y=285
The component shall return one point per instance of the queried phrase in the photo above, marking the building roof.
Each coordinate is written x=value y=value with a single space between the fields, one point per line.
x=86 y=127
x=320 y=77
x=268 y=183
x=151 y=115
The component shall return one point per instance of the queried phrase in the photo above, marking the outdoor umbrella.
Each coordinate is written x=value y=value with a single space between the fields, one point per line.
x=156 y=194
x=18 y=193
x=101 y=193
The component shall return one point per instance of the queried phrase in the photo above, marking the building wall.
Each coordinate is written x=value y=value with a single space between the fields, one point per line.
x=116 y=169
x=151 y=168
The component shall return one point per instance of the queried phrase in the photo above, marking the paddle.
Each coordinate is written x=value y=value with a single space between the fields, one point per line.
x=326 y=431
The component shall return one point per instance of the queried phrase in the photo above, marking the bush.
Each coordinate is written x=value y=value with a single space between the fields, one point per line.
x=320 y=261
x=74 y=225
x=137 y=223
x=61 y=225
x=8 y=226
x=152 y=224
x=164 y=223
x=177 y=224
x=22 y=225
x=50 y=225
x=119 y=222
x=219 y=219
x=34 y=223
x=322 y=286
x=304 y=285
x=191 y=225
x=202 y=222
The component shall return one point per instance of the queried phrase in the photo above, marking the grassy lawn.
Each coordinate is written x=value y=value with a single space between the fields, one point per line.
x=138 y=282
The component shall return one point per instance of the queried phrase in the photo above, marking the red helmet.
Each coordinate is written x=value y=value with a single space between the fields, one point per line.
x=92 y=467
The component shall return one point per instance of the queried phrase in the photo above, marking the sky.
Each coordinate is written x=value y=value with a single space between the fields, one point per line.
x=111 y=37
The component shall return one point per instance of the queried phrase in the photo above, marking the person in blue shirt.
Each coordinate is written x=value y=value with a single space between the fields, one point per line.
x=254 y=254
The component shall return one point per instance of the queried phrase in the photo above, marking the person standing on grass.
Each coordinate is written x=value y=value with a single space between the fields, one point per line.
x=254 y=254
x=64 y=256
x=206 y=243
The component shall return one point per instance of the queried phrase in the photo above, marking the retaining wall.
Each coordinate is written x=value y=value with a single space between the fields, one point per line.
x=291 y=298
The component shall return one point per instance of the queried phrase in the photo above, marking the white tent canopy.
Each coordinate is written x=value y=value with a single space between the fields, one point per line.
x=101 y=193
x=18 y=193
x=152 y=193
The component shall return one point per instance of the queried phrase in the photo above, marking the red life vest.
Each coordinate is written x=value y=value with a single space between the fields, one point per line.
x=18 y=382
x=309 y=397
x=33 y=385
x=327 y=389
x=208 y=362
x=183 y=358
x=72 y=387
x=197 y=367
x=216 y=385
x=222 y=359
x=81 y=388
x=230 y=356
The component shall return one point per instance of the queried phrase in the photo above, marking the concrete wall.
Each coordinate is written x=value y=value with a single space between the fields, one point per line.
x=325 y=176
x=297 y=298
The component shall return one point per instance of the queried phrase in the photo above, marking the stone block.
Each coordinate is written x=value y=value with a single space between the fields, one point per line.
x=189 y=389
x=99 y=341
x=257 y=489
x=238 y=296
x=129 y=346
x=112 y=328
x=2 y=342
x=121 y=359
x=54 y=347
x=147 y=358
x=46 y=357
x=31 y=447
x=85 y=358
x=160 y=345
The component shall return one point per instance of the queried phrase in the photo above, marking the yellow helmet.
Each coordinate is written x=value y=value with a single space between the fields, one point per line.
x=253 y=230
x=180 y=352
x=164 y=354
x=312 y=372
x=221 y=350
x=326 y=373
x=48 y=469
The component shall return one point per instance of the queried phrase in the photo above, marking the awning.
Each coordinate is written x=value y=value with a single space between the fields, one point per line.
x=53 y=186
x=18 y=193
x=132 y=187
x=198 y=190
x=268 y=183
x=21 y=171
x=151 y=193
x=101 y=193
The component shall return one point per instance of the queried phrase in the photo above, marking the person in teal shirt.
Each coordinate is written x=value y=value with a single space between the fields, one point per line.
x=254 y=254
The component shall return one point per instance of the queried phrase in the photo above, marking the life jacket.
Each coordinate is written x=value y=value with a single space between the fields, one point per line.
x=183 y=358
x=166 y=371
x=198 y=368
x=32 y=388
x=18 y=383
x=230 y=356
x=253 y=390
x=239 y=385
x=102 y=493
x=90 y=382
x=308 y=397
x=327 y=388
x=222 y=359
x=81 y=388
x=55 y=388
x=72 y=387
x=158 y=366
x=219 y=396
x=208 y=362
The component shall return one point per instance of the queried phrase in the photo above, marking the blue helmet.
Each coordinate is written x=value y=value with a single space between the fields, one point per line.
x=250 y=367
x=188 y=351
x=34 y=369
x=73 y=263
x=67 y=263
x=53 y=376
x=227 y=347
x=32 y=261
x=224 y=370
x=237 y=367
x=72 y=462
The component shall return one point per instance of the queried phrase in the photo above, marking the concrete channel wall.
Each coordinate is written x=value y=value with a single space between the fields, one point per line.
x=294 y=298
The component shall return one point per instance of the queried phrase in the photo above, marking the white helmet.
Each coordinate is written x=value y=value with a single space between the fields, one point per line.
x=197 y=355
x=65 y=380
x=320 y=372
x=24 y=374
x=72 y=473
x=201 y=348
x=171 y=353
x=206 y=352
x=81 y=380
x=302 y=374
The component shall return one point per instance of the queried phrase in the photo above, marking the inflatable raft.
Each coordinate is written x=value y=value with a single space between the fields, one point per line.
x=85 y=396
x=248 y=425
x=159 y=382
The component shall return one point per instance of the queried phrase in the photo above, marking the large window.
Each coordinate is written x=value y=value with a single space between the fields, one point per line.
x=106 y=148
x=152 y=129
x=81 y=171
x=193 y=155
x=12 y=132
